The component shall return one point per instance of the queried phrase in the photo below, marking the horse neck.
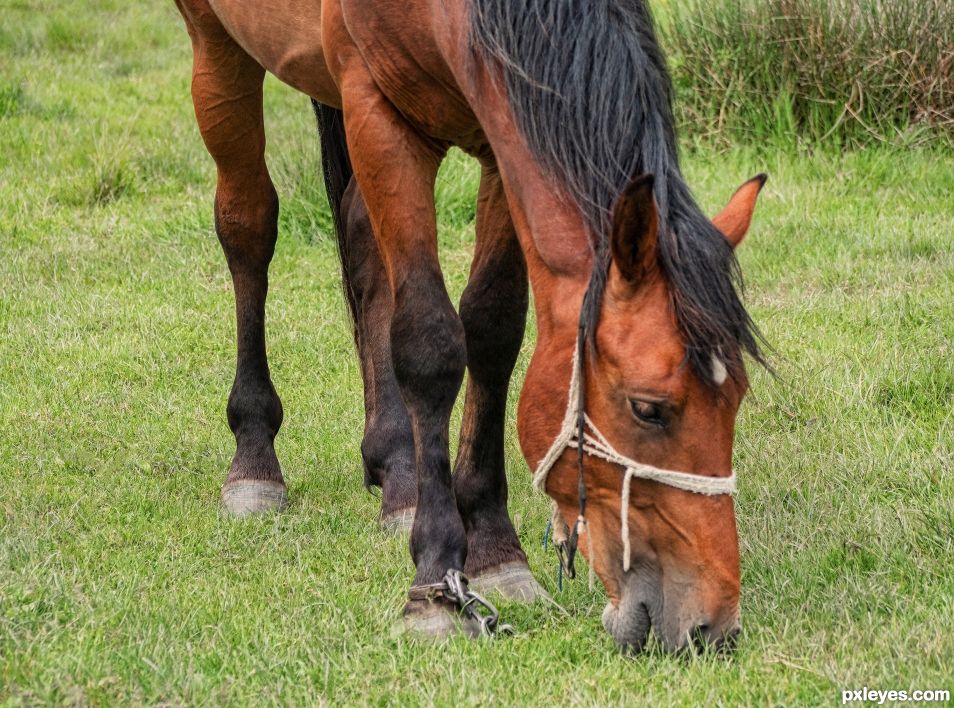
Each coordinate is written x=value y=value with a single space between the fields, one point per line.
x=558 y=256
x=551 y=230
x=552 y=235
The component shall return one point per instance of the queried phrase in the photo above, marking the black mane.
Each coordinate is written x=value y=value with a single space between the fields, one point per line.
x=588 y=86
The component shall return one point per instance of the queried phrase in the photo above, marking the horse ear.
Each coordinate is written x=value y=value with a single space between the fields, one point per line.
x=734 y=220
x=635 y=230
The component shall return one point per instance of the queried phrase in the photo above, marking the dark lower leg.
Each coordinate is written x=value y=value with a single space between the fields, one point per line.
x=493 y=309
x=387 y=449
x=227 y=94
x=427 y=345
x=396 y=169
x=480 y=483
x=254 y=409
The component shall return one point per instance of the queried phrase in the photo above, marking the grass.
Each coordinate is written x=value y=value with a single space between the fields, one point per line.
x=832 y=72
x=120 y=582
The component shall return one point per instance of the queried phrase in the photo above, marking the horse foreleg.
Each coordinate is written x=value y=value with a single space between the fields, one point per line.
x=494 y=312
x=227 y=93
x=387 y=448
x=396 y=170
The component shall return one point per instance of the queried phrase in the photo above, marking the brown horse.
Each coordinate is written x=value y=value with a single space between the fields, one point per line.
x=566 y=104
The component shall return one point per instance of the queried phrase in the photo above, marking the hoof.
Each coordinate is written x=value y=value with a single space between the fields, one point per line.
x=436 y=621
x=398 y=522
x=512 y=580
x=253 y=496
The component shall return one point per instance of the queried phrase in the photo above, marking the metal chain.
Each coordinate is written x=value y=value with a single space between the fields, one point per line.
x=472 y=605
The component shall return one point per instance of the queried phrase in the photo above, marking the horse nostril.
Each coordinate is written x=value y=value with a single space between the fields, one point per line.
x=699 y=637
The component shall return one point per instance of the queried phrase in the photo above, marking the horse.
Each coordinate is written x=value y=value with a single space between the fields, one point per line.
x=628 y=408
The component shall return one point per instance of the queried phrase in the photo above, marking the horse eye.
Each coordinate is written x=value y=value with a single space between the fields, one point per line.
x=648 y=412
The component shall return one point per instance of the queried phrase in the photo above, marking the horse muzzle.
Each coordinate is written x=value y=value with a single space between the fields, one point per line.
x=682 y=622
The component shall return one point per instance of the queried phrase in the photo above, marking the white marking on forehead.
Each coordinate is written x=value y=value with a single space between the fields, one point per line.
x=719 y=373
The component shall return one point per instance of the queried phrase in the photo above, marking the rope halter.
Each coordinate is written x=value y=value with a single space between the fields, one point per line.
x=595 y=443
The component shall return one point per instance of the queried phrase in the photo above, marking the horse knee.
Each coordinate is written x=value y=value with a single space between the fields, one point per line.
x=493 y=310
x=246 y=222
x=386 y=445
x=427 y=344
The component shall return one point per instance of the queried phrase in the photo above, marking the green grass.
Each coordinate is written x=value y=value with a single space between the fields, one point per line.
x=816 y=72
x=119 y=580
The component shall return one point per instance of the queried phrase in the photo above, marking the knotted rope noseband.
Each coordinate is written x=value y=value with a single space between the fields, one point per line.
x=580 y=432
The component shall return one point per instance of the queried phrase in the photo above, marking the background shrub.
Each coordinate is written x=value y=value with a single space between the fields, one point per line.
x=807 y=71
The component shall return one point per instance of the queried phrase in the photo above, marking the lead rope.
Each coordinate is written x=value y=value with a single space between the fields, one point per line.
x=557 y=528
x=567 y=544
x=573 y=433
x=579 y=527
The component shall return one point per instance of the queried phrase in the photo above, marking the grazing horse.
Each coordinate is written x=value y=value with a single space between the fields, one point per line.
x=638 y=364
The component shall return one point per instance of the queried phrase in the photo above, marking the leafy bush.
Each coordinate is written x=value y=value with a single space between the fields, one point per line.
x=843 y=71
